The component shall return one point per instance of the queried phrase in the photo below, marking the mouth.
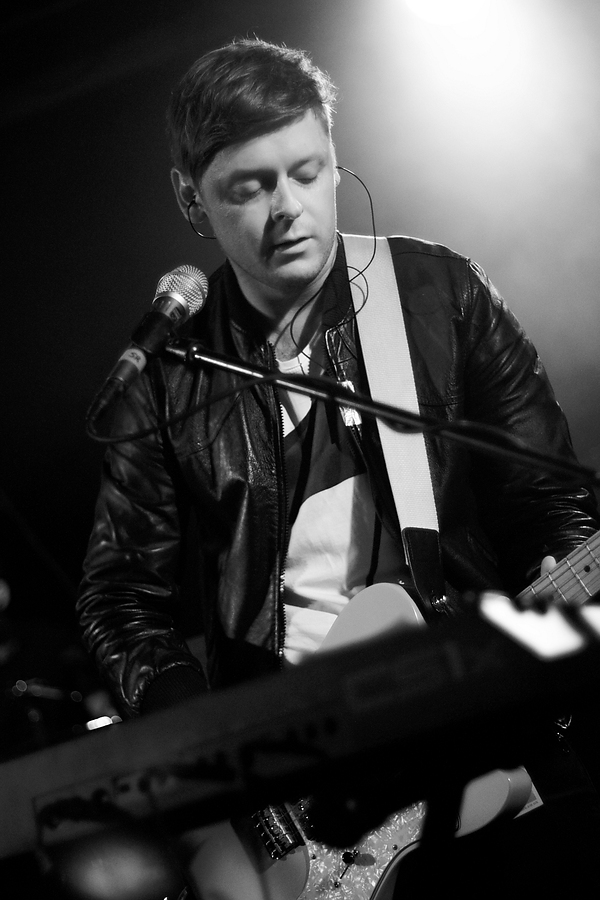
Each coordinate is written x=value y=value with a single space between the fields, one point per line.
x=289 y=245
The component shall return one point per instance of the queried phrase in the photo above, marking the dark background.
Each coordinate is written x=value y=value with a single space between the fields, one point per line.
x=486 y=141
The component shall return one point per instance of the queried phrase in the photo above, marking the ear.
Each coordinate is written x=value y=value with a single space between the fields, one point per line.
x=186 y=193
x=337 y=176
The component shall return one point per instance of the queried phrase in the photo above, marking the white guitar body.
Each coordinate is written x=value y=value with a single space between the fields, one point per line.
x=234 y=865
x=228 y=868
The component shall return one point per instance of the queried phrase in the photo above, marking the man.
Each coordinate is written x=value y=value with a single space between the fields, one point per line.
x=291 y=502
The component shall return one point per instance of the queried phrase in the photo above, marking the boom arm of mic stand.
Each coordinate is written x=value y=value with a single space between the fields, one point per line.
x=484 y=438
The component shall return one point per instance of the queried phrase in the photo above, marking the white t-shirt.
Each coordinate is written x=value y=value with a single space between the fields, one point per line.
x=336 y=544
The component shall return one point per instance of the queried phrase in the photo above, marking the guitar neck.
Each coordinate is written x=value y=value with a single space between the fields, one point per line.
x=575 y=580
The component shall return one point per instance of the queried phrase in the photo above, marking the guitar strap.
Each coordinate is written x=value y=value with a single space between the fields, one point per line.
x=386 y=353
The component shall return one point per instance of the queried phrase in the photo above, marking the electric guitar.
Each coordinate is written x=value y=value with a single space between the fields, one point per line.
x=273 y=856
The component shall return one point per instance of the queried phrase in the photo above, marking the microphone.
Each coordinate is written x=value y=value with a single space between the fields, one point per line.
x=179 y=295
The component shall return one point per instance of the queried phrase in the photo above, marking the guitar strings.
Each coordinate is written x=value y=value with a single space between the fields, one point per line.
x=567 y=582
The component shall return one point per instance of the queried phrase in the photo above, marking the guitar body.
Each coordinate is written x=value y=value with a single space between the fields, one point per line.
x=232 y=862
x=230 y=865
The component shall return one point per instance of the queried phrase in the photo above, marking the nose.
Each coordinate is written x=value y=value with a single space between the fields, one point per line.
x=284 y=205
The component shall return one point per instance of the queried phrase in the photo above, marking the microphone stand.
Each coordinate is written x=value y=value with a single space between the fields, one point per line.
x=484 y=438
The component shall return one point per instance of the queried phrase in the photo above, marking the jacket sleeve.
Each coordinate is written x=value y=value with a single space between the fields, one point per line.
x=126 y=597
x=529 y=511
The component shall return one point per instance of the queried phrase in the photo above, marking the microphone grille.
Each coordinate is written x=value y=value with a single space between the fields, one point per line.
x=188 y=281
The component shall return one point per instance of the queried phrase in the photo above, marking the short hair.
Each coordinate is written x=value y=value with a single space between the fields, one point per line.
x=242 y=90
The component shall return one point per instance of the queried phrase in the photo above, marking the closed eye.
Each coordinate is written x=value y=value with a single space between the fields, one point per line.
x=240 y=193
x=308 y=172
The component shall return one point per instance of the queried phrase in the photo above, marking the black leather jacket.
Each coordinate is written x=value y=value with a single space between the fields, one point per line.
x=205 y=494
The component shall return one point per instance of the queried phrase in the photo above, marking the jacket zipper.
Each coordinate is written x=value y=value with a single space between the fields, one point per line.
x=283 y=517
x=283 y=504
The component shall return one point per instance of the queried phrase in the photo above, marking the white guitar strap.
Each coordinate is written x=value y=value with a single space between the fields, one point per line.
x=382 y=332
x=384 y=343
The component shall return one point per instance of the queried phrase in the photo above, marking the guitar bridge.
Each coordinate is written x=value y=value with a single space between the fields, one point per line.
x=277 y=831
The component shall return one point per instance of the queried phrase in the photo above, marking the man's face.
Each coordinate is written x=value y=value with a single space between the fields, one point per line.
x=271 y=204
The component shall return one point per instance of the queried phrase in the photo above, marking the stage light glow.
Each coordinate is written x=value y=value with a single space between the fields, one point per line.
x=455 y=13
x=489 y=145
x=477 y=39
